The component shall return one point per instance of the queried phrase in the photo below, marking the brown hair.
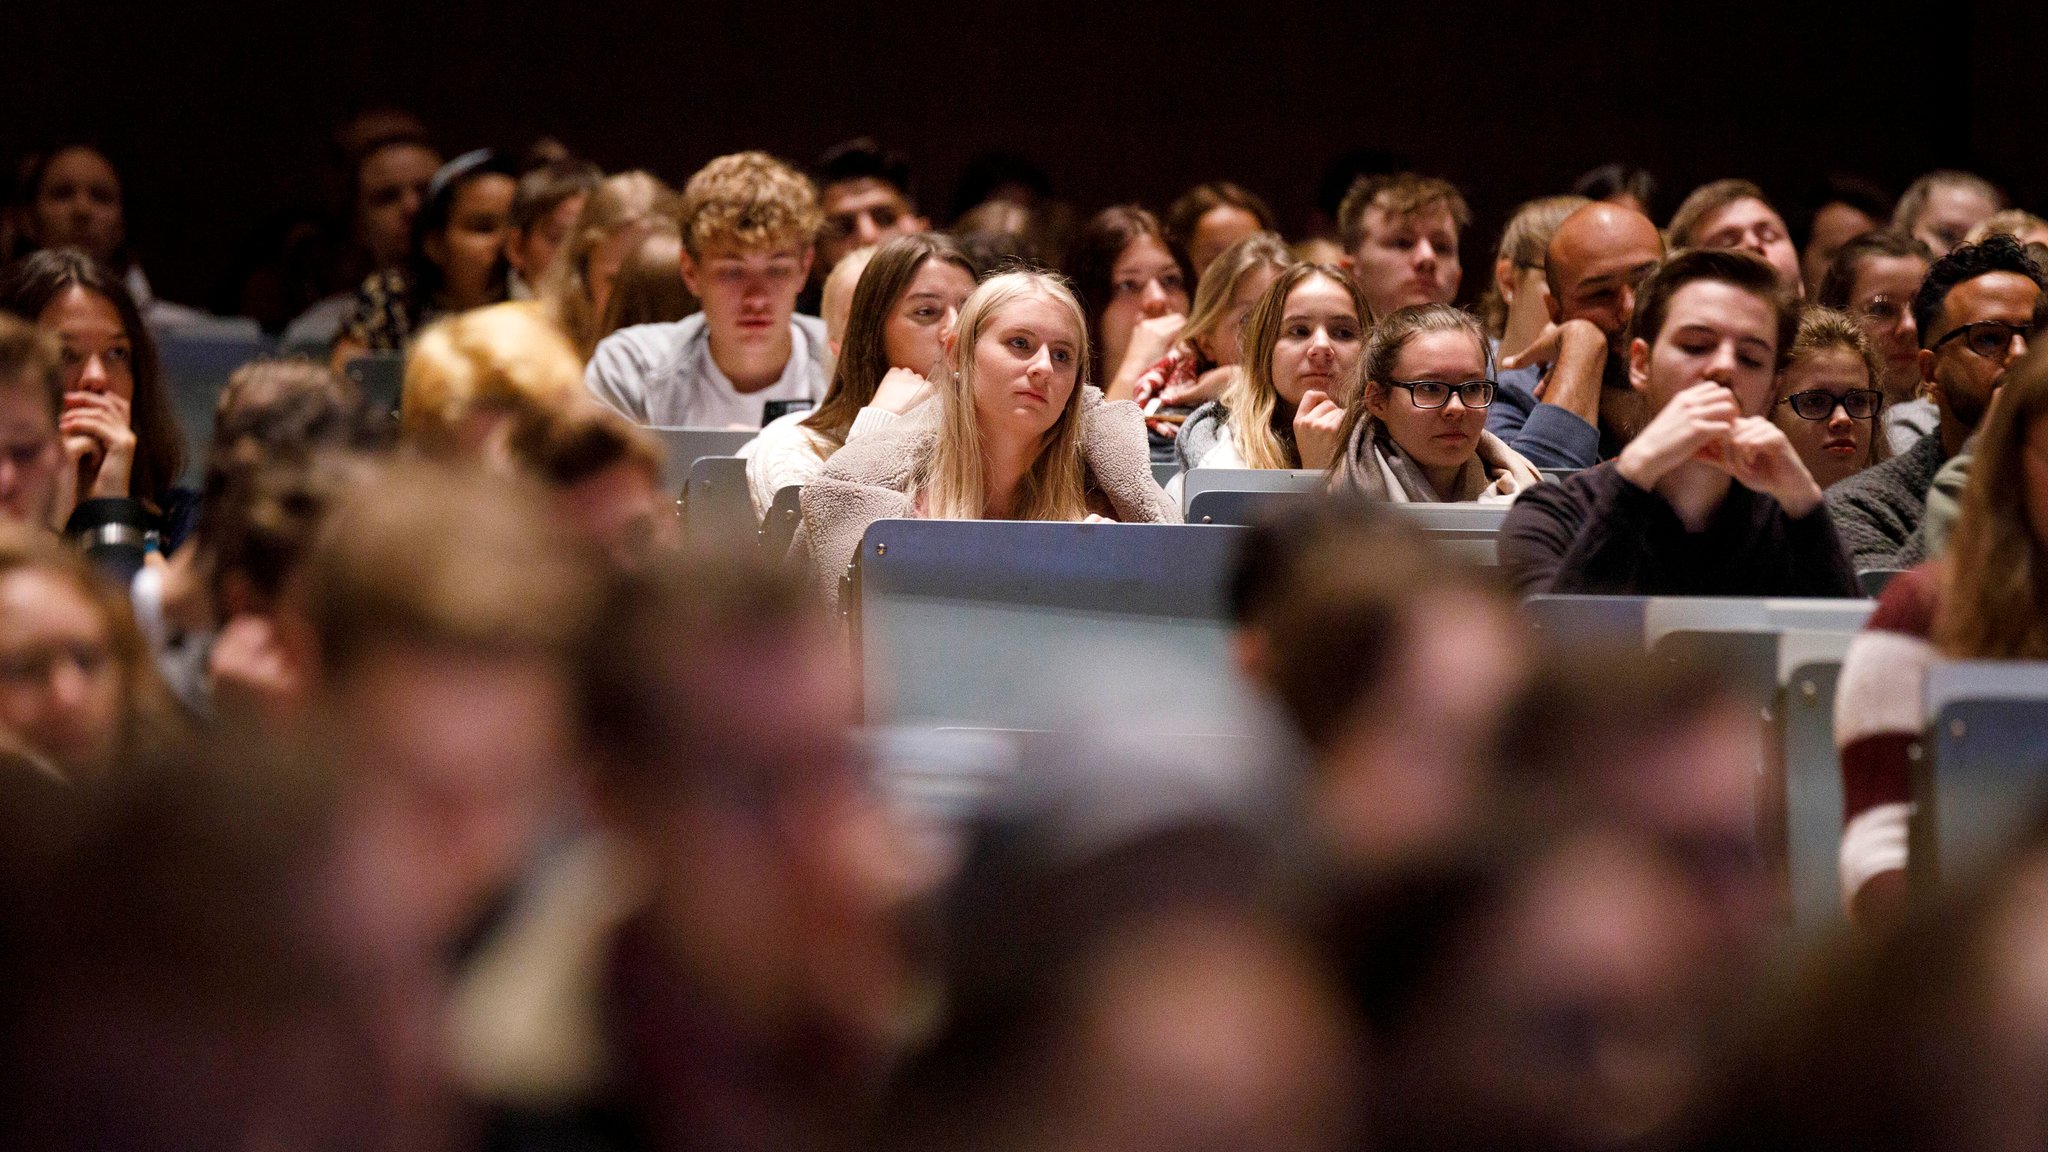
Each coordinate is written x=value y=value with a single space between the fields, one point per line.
x=1525 y=245
x=1091 y=265
x=1185 y=214
x=649 y=288
x=580 y=443
x=1252 y=403
x=149 y=716
x=617 y=203
x=31 y=357
x=1383 y=349
x=863 y=356
x=548 y=187
x=30 y=286
x=1399 y=194
x=1333 y=588
x=1213 y=294
x=1996 y=606
x=1839 y=281
x=443 y=557
x=1731 y=266
x=750 y=199
x=1823 y=330
x=1703 y=202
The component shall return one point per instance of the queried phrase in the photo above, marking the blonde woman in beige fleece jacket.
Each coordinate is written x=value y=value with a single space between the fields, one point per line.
x=1016 y=435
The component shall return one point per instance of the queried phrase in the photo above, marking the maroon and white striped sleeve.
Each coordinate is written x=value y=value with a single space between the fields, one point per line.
x=1879 y=705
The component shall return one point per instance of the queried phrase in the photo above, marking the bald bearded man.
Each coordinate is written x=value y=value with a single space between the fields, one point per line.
x=1565 y=401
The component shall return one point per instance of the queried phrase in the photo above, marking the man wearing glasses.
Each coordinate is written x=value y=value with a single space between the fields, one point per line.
x=1976 y=312
x=1709 y=499
x=1873 y=278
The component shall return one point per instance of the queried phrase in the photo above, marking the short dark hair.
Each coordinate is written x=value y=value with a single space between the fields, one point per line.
x=1616 y=179
x=1186 y=213
x=862 y=158
x=1967 y=262
x=542 y=190
x=1838 y=282
x=1857 y=192
x=1732 y=266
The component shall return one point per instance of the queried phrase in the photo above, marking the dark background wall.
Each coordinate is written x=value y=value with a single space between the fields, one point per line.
x=221 y=112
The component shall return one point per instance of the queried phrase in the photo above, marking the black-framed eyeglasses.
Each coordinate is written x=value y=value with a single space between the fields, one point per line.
x=1990 y=339
x=1435 y=393
x=1816 y=404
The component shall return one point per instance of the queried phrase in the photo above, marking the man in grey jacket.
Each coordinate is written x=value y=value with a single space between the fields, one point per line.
x=1976 y=312
x=748 y=225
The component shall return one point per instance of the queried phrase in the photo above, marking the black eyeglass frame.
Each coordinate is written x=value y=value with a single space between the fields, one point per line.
x=1837 y=400
x=1491 y=388
x=2029 y=332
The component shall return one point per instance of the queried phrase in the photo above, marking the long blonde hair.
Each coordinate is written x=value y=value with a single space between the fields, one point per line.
x=1219 y=285
x=620 y=202
x=1253 y=404
x=951 y=481
x=1996 y=606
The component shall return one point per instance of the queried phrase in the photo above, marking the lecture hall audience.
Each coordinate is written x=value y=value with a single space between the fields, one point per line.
x=422 y=782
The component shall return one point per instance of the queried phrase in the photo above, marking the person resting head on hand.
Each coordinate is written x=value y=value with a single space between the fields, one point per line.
x=1417 y=433
x=1016 y=434
x=1206 y=352
x=904 y=306
x=1829 y=397
x=1133 y=282
x=1301 y=353
x=1710 y=498
x=119 y=433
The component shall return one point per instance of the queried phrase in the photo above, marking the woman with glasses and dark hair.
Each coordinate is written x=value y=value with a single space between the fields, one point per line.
x=1417 y=432
x=1829 y=397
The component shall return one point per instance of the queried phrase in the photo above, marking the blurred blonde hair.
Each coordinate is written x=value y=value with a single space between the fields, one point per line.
x=750 y=199
x=951 y=478
x=503 y=358
x=623 y=201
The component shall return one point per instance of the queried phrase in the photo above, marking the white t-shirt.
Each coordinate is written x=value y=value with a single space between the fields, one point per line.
x=662 y=375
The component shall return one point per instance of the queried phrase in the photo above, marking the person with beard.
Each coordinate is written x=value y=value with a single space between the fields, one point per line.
x=1976 y=312
x=1564 y=401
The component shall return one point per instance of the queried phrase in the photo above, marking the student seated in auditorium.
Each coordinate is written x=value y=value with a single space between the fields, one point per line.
x=1393 y=664
x=1737 y=214
x=123 y=452
x=71 y=197
x=903 y=311
x=648 y=287
x=1980 y=602
x=1564 y=399
x=474 y=380
x=1850 y=206
x=1417 y=431
x=1976 y=312
x=1205 y=353
x=865 y=197
x=1513 y=308
x=1874 y=279
x=1015 y=434
x=1829 y=403
x=31 y=402
x=1400 y=237
x=1710 y=498
x=748 y=223
x=1133 y=282
x=1209 y=218
x=78 y=692
x=621 y=212
x=1940 y=208
x=1301 y=351
x=605 y=477
x=545 y=205
x=456 y=262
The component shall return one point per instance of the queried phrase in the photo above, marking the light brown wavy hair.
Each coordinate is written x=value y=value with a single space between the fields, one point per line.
x=1263 y=439
x=1996 y=585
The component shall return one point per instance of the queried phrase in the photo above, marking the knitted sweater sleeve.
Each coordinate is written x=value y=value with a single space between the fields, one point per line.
x=1878 y=726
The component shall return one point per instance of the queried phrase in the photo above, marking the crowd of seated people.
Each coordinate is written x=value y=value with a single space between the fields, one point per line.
x=409 y=773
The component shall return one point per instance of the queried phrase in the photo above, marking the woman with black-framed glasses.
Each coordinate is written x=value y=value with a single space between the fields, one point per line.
x=1830 y=396
x=1417 y=433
